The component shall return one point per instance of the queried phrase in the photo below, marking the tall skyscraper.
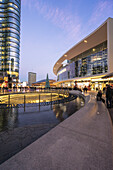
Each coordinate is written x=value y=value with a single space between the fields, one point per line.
x=10 y=38
x=31 y=78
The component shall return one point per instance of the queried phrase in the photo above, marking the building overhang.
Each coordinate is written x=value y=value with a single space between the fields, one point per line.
x=108 y=75
x=95 y=38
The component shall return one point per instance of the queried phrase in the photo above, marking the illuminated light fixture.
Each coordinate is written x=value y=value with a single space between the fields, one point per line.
x=96 y=80
x=95 y=59
x=85 y=41
x=60 y=72
x=12 y=73
x=57 y=63
x=93 y=49
x=65 y=55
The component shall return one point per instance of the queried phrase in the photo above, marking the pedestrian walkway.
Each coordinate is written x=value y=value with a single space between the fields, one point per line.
x=109 y=109
x=81 y=142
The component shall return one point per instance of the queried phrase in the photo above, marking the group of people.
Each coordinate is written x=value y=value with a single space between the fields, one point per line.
x=85 y=89
x=108 y=92
x=109 y=96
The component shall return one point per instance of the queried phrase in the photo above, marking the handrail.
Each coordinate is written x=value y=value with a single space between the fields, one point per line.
x=33 y=91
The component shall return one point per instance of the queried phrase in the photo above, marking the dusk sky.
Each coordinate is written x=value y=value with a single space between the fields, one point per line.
x=51 y=27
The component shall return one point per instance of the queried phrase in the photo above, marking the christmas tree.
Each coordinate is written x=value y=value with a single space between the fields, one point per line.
x=47 y=82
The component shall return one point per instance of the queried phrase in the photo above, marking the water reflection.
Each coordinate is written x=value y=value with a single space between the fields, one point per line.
x=8 y=118
x=59 y=110
x=15 y=117
x=62 y=111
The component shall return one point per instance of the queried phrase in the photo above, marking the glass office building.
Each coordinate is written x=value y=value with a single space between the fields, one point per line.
x=89 y=60
x=10 y=37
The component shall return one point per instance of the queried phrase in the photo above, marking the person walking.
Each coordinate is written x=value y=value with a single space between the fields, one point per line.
x=109 y=97
x=99 y=95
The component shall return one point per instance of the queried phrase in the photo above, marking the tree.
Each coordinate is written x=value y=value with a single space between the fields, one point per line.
x=47 y=82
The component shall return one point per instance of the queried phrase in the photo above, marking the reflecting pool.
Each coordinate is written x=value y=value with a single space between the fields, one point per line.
x=18 y=129
x=11 y=118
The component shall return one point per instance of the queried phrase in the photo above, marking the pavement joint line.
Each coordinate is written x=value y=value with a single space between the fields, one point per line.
x=83 y=134
x=89 y=99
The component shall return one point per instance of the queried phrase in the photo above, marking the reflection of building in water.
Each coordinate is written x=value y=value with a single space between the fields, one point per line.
x=62 y=111
x=8 y=118
x=59 y=111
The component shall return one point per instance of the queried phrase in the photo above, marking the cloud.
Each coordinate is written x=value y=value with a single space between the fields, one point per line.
x=62 y=19
x=27 y=3
x=70 y=23
x=102 y=10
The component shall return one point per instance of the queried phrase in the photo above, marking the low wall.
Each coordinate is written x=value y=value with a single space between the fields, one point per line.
x=78 y=93
x=81 y=142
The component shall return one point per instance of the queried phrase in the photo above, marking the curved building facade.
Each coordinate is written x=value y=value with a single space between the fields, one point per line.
x=10 y=37
x=89 y=60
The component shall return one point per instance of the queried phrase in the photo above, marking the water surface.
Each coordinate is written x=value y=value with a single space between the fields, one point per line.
x=16 y=117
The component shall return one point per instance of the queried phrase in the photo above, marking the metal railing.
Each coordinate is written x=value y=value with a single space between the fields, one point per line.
x=39 y=98
x=33 y=89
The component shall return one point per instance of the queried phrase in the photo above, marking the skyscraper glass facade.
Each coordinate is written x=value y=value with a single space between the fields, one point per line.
x=10 y=37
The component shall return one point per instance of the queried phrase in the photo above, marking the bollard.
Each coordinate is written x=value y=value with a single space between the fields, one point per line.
x=58 y=95
x=51 y=101
x=39 y=102
x=24 y=102
x=63 y=95
x=9 y=99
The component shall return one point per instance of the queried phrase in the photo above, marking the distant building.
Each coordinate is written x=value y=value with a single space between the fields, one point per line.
x=42 y=83
x=22 y=84
x=31 y=78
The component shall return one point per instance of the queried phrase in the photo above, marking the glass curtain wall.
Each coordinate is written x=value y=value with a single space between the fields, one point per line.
x=10 y=37
x=91 y=62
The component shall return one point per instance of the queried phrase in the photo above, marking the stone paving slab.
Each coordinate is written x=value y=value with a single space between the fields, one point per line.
x=84 y=141
x=111 y=113
x=66 y=150
x=96 y=124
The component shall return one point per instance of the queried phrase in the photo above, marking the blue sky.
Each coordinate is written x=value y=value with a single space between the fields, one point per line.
x=51 y=27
